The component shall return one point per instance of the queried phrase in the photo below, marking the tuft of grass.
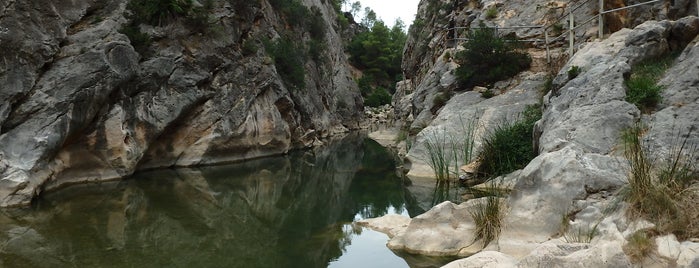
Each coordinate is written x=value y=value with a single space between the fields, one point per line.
x=509 y=146
x=249 y=48
x=439 y=100
x=487 y=216
x=439 y=160
x=581 y=234
x=639 y=246
x=487 y=94
x=663 y=194
x=548 y=85
x=642 y=88
x=491 y=13
x=444 y=150
x=573 y=72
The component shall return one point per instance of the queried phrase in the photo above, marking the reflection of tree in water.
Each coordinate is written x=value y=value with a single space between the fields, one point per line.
x=273 y=212
x=376 y=187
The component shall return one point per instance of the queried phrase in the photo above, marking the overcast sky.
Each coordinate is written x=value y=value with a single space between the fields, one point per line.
x=389 y=10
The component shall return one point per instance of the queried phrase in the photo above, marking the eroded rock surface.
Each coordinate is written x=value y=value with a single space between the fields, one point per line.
x=78 y=103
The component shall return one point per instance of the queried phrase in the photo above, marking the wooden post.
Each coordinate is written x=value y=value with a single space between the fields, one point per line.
x=546 y=39
x=571 y=37
x=600 y=19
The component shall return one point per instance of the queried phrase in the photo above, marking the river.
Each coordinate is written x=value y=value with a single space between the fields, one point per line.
x=287 y=211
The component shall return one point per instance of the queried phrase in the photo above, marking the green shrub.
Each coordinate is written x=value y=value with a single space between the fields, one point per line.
x=573 y=72
x=487 y=94
x=491 y=13
x=639 y=246
x=509 y=146
x=293 y=11
x=158 y=12
x=642 y=89
x=289 y=60
x=378 y=97
x=440 y=99
x=487 y=58
x=139 y=40
x=316 y=24
x=548 y=85
x=249 y=47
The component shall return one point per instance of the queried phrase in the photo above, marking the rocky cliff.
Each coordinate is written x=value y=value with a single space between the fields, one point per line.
x=82 y=101
x=566 y=207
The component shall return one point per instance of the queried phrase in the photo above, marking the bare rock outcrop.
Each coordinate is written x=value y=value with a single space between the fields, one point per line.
x=574 y=182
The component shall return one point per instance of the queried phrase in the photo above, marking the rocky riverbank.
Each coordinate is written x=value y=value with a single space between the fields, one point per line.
x=565 y=209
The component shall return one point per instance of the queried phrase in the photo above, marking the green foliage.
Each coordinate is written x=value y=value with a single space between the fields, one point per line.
x=293 y=11
x=316 y=24
x=491 y=13
x=289 y=60
x=249 y=47
x=573 y=72
x=581 y=234
x=662 y=195
x=157 y=12
x=378 y=53
x=639 y=246
x=509 y=146
x=139 y=40
x=378 y=97
x=487 y=94
x=160 y=12
x=488 y=58
x=548 y=85
x=437 y=146
x=642 y=88
x=440 y=99
x=444 y=150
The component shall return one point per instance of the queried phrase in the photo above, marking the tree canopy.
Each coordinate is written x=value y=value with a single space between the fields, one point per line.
x=378 y=52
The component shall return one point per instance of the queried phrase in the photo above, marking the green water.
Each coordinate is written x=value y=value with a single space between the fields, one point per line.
x=290 y=211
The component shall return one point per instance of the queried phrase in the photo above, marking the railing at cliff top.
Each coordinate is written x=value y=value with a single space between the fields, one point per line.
x=571 y=26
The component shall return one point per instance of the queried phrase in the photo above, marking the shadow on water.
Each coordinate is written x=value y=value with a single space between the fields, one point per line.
x=287 y=211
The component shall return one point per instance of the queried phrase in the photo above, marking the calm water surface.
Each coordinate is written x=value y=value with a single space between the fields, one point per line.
x=291 y=211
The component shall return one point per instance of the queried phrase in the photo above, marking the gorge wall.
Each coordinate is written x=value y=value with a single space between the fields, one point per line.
x=80 y=101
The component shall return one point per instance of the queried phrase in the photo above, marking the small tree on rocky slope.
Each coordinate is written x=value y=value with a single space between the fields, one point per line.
x=488 y=58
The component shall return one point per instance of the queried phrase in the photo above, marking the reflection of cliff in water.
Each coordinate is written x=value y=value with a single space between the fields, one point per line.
x=273 y=212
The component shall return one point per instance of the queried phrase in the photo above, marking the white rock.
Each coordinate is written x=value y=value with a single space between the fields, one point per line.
x=489 y=259
x=668 y=246
x=390 y=224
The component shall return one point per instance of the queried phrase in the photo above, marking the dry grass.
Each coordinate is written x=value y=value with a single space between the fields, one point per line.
x=488 y=215
x=666 y=193
x=640 y=245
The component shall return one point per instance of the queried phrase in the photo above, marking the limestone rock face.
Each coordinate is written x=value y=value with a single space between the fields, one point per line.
x=78 y=103
x=570 y=189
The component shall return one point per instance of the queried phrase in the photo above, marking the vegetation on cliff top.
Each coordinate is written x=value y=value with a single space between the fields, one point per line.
x=378 y=52
x=488 y=58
